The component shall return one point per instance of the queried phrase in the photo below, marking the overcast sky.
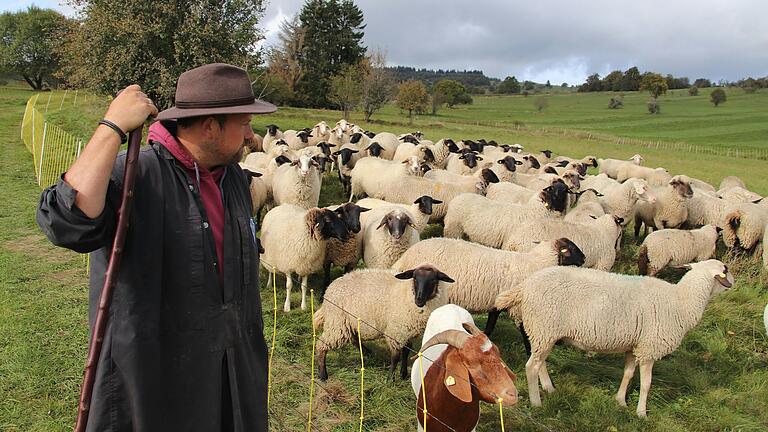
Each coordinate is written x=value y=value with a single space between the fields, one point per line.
x=560 y=41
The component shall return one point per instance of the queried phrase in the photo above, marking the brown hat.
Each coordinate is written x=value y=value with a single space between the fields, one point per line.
x=216 y=88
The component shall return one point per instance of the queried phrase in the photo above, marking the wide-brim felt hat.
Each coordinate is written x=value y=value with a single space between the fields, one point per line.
x=216 y=88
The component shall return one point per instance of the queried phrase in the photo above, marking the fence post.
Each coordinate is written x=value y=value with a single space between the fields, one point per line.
x=79 y=145
x=34 y=157
x=74 y=103
x=62 y=100
x=49 y=102
x=42 y=152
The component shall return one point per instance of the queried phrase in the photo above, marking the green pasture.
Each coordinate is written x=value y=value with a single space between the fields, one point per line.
x=716 y=381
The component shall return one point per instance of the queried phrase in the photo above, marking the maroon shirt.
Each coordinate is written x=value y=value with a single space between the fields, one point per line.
x=210 y=192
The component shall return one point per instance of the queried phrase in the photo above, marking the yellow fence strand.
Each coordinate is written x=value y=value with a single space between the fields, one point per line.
x=312 y=359
x=423 y=390
x=362 y=376
x=274 y=332
x=501 y=412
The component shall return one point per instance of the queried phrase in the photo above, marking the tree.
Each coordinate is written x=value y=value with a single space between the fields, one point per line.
x=346 y=88
x=717 y=96
x=548 y=84
x=448 y=92
x=378 y=84
x=540 y=103
x=508 y=86
x=654 y=84
x=334 y=31
x=121 y=42
x=693 y=91
x=284 y=60
x=592 y=84
x=612 y=81
x=28 y=44
x=412 y=96
x=702 y=83
x=529 y=85
x=631 y=79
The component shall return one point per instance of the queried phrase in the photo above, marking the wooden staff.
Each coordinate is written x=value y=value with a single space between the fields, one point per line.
x=105 y=299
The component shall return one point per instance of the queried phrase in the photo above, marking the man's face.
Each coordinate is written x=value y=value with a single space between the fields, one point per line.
x=227 y=145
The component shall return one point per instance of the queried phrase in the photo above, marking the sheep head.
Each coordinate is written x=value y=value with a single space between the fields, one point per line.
x=350 y=215
x=636 y=159
x=470 y=159
x=272 y=129
x=425 y=203
x=396 y=222
x=509 y=163
x=304 y=164
x=324 y=224
x=555 y=197
x=568 y=254
x=426 y=280
x=682 y=185
x=374 y=149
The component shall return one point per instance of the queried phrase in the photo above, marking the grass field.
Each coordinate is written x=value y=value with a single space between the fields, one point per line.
x=716 y=381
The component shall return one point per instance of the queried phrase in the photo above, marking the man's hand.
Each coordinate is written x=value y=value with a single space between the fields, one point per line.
x=130 y=109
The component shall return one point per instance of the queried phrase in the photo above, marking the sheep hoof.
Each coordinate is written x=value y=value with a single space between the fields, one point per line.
x=549 y=389
x=642 y=414
x=303 y=306
x=621 y=401
x=286 y=307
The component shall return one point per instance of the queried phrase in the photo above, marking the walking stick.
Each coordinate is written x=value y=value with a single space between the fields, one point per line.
x=105 y=299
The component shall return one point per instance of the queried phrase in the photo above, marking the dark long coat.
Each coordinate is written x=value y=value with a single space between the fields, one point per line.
x=175 y=330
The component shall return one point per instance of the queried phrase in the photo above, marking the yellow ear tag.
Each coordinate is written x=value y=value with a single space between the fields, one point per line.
x=722 y=275
x=438 y=186
x=563 y=250
x=450 y=381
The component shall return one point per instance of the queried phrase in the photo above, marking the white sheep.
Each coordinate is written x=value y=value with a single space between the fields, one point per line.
x=587 y=207
x=621 y=199
x=732 y=181
x=485 y=221
x=273 y=134
x=610 y=167
x=319 y=133
x=386 y=232
x=294 y=241
x=481 y=272
x=737 y=194
x=259 y=191
x=654 y=176
x=388 y=304
x=297 y=183
x=463 y=164
x=369 y=173
x=420 y=210
x=644 y=317
x=387 y=142
x=670 y=210
x=674 y=247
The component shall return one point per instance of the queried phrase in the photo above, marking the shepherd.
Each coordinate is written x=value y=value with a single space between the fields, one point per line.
x=183 y=347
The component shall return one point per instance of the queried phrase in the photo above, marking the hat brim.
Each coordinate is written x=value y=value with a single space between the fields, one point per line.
x=257 y=107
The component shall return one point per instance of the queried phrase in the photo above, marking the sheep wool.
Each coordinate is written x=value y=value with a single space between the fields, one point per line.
x=297 y=183
x=674 y=247
x=381 y=246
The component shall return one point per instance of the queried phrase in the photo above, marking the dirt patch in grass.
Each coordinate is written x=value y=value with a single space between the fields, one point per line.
x=35 y=246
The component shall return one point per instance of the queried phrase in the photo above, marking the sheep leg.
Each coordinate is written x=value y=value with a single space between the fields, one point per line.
x=526 y=341
x=288 y=288
x=304 y=282
x=493 y=316
x=321 y=352
x=646 y=369
x=532 y=375
x=546 y=382
x=630 y=362
x=393 y=360
x=404 y=362
x=326 y=275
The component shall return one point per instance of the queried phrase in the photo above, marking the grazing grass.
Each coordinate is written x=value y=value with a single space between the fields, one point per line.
x=717 y=380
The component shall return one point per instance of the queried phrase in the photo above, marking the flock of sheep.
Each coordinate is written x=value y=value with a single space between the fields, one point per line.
x=527 y=233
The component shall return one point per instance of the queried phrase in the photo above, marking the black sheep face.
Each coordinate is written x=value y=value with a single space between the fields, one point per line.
x=321 y=160
x=509 y=163
x=555 y=197
x=304 y=136
x=282 y=159
x=682 y=187
x=470 y=159
x=568 y=254
x=350 y=215
x=355 y=137
x=331 y=225
x=534 y=162
x=428 y=155
x=426 y=282
x=425 y=203
x=272 y=129
x=396 y=223
x=325 y=147
x=370 y=134
x=547 y=153
x=375 y=149
x=489 y=176
x=452 y=147
x=346 y=155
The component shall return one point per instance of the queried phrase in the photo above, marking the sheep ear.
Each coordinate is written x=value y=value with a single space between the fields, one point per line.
x=405 y=162
x=383 y=222
x=684 y=267
x=363 y=209
x=408 y=274
x=593 y=216
x=444 y=277
x=456 y=377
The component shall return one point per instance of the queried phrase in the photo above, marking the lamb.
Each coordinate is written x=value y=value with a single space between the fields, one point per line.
x=654 y=176
x=387 y=232
x=481 y=272
x=621 y=200
x=488 y=222
x=273 y=134
x=295 y=241
x=369 y=173
x=598 y=239
x=297 y=183
x=732 y=181
x=670 y=209
x=459 y=350
x=644 y=317
x=610 y=167
x=419 y=211
x=463 y=164
x=674 y=247
x=344 y=253
x=389 y=304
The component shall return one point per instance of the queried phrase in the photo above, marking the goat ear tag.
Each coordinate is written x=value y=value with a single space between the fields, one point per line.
x=450 y=381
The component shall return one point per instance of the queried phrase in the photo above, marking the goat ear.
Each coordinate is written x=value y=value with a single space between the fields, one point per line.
x=456 y=377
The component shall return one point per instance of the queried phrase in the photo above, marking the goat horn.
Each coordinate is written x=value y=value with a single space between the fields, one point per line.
x=454 y=338
x=472 y=329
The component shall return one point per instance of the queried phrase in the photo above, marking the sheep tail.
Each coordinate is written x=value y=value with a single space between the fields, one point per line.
x=509 y=300
x=319 y=318
x=642 y=260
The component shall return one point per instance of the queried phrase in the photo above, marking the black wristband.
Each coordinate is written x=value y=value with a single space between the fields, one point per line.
x=116 y=128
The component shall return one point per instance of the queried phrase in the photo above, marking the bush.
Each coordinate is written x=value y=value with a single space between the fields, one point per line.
x=749 y=89
x=616 y=102
x=654 y=107
x=717 y=96
x=693 y=91
x=540 y=103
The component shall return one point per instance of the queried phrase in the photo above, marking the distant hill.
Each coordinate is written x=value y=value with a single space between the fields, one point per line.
x=475 y=80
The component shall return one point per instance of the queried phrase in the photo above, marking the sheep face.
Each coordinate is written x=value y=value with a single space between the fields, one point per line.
x=643 y=191
x=325 y=147
x=321 y=128
x=344 y=155
x=396 y=222
x=425 y=203
x=355 y=138
x=682 y=185
x=304 y=164
x=428 y=155
x=547 y=153
x=272 y=129
x=423 y=169
x=329 y=225
x=470 y=159
x=555 y=197
x=350 y=215
x=488 y=176
x=374 y=149
x=568 y=254
x=722 y=279
x=282 y=159
x=591 y=160
x=579 y=167
x=572 y=179
x=426 y=280
x=532 y=161
x=304 y=136
x=320 y=160
x=636 y=159
x=412 y=162
x=509 y=163
x=369 y=134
